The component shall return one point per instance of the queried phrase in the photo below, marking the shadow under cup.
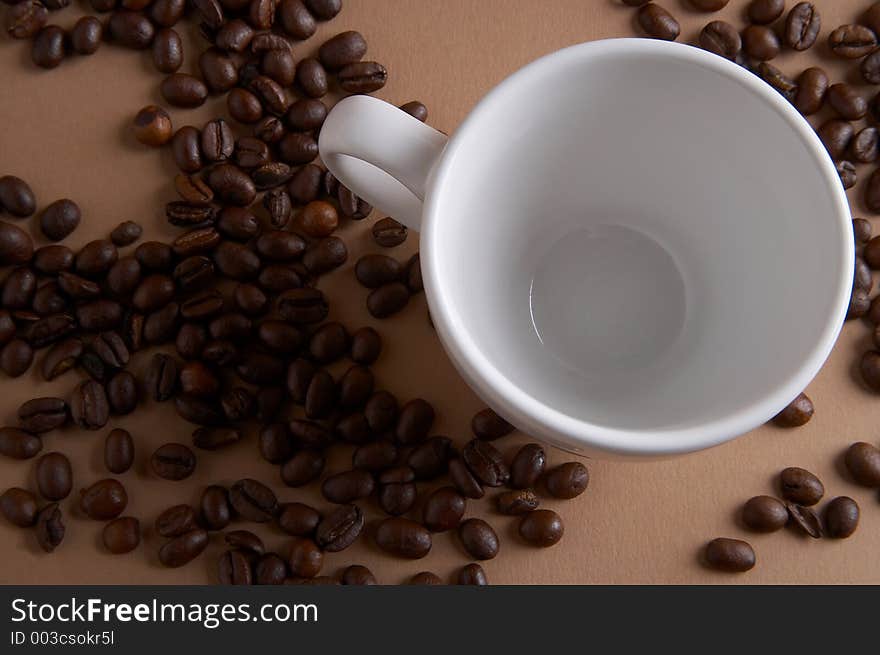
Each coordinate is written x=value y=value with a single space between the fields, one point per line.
x=640 y=243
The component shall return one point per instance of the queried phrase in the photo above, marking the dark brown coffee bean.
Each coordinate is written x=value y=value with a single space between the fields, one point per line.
x=60 y=219
x=131 y=29
x=802 y=26
x=425 y=578
x=305 y=558
x=269 y=129
x=318 y=218
x=847 y=101
x=54 y=476
x=356 y=384
x=805 y=520
x=488 y=426
x=486 y=463
x=764 y=12
x=253 y=501
x=260 y=368
x=872 y=201
x=374 y=270
x=175 y=521
x=269 y=402
x=279 y=336
x=862 y=230
x=366 y=344
x=271 y=175
x=388 y=233
x=351 y=205
x=96 y=258
x=324 y=9
x=657 y=22
x=430 y=459
x=348 y=486
x=302 y=468
x=167 y=12
x=122 y=535
x=479 y=539
x=852 y=41
x=245 y=541
x=19 y=444
x=218 y=70
x=236 y=261
x=786 y=86
x=49 y=300
x=42 y=414
x=79 y=288
x=196 y=242
x=297 y=148
x=278 y=206
x=126 y=233
x=836 y=134
x=232 y=185
x=50 y=329
x=173 y=461
x=341 y=528
x=343 y=49
x=870 y=68
x=250 y=300
x=19 y=506
x=279 y=65
x=183 y=548
x=270 y=94
x=295 y=19
x=800 y=486
x=54 y=259
x=270 y=569
x=307 y=114
x=61 y=358
x=244 y=106
x=328 y=343
x=160 y=326
x=760 y=42
x=18 y=289
x=25 y=19
x=298 y=519
x=217 y=142
x=472 y=574
x=203 y=306
x=238 y=405
x=122 y=393
x=211 y=12
x=16 y=245
x=321 y=396
x=183 y=213
x=154 y=292
x=414 y=422
x=797 y=413
x=514 y=503
x=167 y=51
x=764 y=514
x=362 y=77
x=812 y=86
x=234 y=568
x=387 y=300
x=161 y=380
x=375 y=456
x=215 y=510
x=731 y=555
x=443 y=510
x=567 y=480
x=104 y=500
x=865 y=146
x=118 y=451
x=301 y=306
x=47 y=49
x=863 y=463
x=403 y=538
x=50 y=527
x=89 y=407
x=415 y=109
x=841 y=517
x=869 y=367
x=193 y=190
x=397 y=498
x=185 y=144
x=859 y=304
x=357 y=574
x=196 y=379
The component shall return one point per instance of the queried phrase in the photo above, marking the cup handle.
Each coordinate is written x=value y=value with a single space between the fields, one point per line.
x=382 y=154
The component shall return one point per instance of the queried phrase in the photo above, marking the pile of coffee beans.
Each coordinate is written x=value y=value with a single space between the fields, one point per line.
x=232 y=322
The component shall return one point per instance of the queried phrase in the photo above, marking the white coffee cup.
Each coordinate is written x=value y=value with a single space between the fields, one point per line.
x=629 y=247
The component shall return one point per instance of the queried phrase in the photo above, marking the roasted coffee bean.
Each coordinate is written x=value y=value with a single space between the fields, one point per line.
x=357 y=574
x=319 y=219
x=279 y=65
x=430 y=459
x=47 y=49
x=245 y=541
x=16 y=195
x=278 y=206
x=870 y=68
x=220 y=353
x=234 y=36
x=297 y=148
x=122 y=535
x=869 y=366
x=244 y=106
x=302 y=468
x=812 y=86
x=160 y=326
x=764 y=12
x=786 y=86
x=16 y=245
x=802 y=26
x=865 y=146
x=122 y=393
x=126 y=233
x=215 y=510
x=217 y=142
x=261 y=14
x=253 y=501
x=167 y=51
x=236 y=261
x=203 y=306
x=271 y=175
x=276 y=445
x=270 y=569
x=760 y=42
x=343 y=49
x=872 y=200
x=841 y=517
x=25 y=19
x=863 y=463
x=657 y=22
x=388 y=233
x=351 y=205
x=7 y=327
x=472 y=574
x=306 y=114
x=269 y=401
x=486 y=463
x=374 y=270
x=324 y=9
x=270 y=94
x=96 y=258
x=193 y=190
x=218 y=70
x=836 y=134
x=131 y=29
x=302 y=306
x=306 y=558
x=846 y=101
x=49 y=300
x=104 y=500
x=16 y=358
x=173 y=461
x=479 y=539
x=215 y=438
x=541 y=527
x=764 y=514
x=387 y=300
x=362 y=77
x=184 y=213
x=211 y=12
x=329 y=343
x=89 y=407
x=175 y=521
x=42 y=414
x=321 y=396
x=416 y=109
x=279 y=336
x=234 y=568
x=731 y=555
x=356 y=384
x=185 y=144
x=381 y=412
x=488 y=426
x=847 y=173
x=425 y=578
x=852 y=41
x=60 y=219
x=338 y=530
x=859 y=304
x=54 y=476
x=61 y=358
x=805 y=519
x=397 y=498
x=18 y=289
x=19 y=444
x=238 y=404
x=567 y=480
x=862 y=230
x=161 y=380
x=196 y=242
x=50 y=527
x=183 y=548
x=167 y=12
x=514 y=503
x=118 y=451
x=443 y=510
x=374 y=457
x=54 y=259
x=154 y=292
x=414 y=422
x=709 y=5
x=871 y=18
x=348 y=486
x=79 y=288
x=196 y=379
x=403 y=538
x=19 y=506
x=800 y=486
x=269 y=129
x=366 y=344
x=295 y=19
x=260 y=368
x=797 y=413
x=250 y=300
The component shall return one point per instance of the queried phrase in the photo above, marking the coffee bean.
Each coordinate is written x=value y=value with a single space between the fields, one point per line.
x=464 y=480
x=42 y=414
x=358 y=575
x=185 y=144
x=297 y=148
x=270 y=569
x=104 y=500
x=366 y=344
x=764 y=12
x=95 y=258
x=89 y=407
x=431 y=458
x=374 y=457
x=805 y=519
x=657 y=22
x=173 y=461
x=397 y=493
x=49 y=300
x=270 y=94
x=870 y=68
x=852 y=41
x=302 y=468
x=324 y=9
x=764 y=514
x=800 y=486
x=131 y=29
x=862 y=230
x=797 y=413
x=841 y=517
x=479 y=539
x=234 y=568
x=279 y=65
x=338 y=530
x=16 y=245
x=425 y=578
x=472 y=574
x=301 y=306
x=863 y=463
x=308 y=114
x=126 y=233
x=298 y=519
x=387 y=300
x=183 y=548
x=318 y=219
x=196 y=379
x=160 y=326
x=760 y=42
x=47 y=49
x=245 y=541
x=122 y=535
x=388 y=233
x=567 y=480
x=362 y=77
x=812 y=86
x=488 y=426
x=215 y=510
x=870 y=369
x=305 y=558
x=802 y=26
x=118 y=451
x=872 y=200
x=79 y=288
x=709 y=5
x=260 y=368
x=232 y=185
x=60 y=219
x=321 y=396
x=19 y=506
x=205 y=306
x=194 y=192
x=846 y=101
x=865 y=147
x=196 y=242
x=25 y=19
x=414 y=422
x=218 y=71
x=836 y=134
x=54 y=259
x=351 y=205
x=122 y=393
x=514 y=503
x=50 y=527
x=19 y=444
x=167 y=12
x=161 y=379
x=184 y=213
x=541 y=527
x=374 y=270
x=61 y=358
x=253 y=501
x=731 y=555
x=443 y=509
x=244 y=106
x=175 y=521
x=217 y=141
x=486 y=463
x=167 y=51
x=403 y=538
x=783 y=84
x=269 y=129
x=415 y=109
x=328 y=343
x=234 y=36
x=343 y=488
x=18 y=289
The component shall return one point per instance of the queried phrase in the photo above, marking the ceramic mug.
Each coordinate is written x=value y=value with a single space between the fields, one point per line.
x=629 y=246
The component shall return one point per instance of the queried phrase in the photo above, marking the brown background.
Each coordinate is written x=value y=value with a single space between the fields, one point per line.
x=66 y=132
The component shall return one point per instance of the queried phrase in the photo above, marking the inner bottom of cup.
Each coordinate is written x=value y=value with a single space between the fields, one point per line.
x=607 y=300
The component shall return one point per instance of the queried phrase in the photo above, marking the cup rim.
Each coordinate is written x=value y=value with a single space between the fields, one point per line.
x=549 y=424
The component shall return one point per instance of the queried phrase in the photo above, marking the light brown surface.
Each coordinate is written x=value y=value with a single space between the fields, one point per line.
x=65 y=132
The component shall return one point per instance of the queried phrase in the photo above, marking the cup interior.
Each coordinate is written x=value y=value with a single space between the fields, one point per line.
x=641 y=238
